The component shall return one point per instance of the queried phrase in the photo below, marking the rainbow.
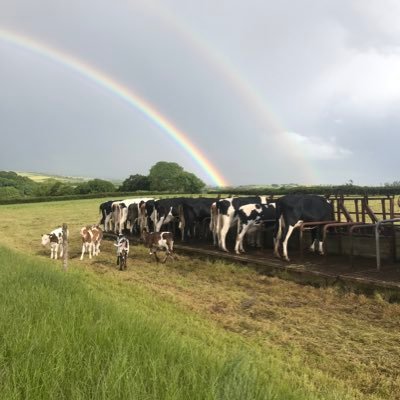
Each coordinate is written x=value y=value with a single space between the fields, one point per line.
x=117 y=89
x=251 y=96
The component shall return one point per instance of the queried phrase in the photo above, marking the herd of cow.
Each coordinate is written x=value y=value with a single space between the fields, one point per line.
x=202 y=217
x=199 y=217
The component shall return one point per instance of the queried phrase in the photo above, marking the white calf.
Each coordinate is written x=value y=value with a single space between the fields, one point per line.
x=55 y=239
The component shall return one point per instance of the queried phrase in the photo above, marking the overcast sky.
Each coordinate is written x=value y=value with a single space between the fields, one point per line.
x=304 y=91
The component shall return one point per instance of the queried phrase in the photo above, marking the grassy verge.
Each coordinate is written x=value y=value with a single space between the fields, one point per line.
x=70 y=336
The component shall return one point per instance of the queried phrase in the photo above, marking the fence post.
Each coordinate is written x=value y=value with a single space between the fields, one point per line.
x=65 y=246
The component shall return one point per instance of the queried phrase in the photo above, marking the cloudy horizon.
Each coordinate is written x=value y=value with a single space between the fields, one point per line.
x=291 y=92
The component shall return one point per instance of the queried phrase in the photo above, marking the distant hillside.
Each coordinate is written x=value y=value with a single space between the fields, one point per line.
x=41 y=177
x=73 y=180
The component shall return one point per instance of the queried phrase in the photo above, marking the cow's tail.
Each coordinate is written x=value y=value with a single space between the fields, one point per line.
x=181 y=216
x=103 y=215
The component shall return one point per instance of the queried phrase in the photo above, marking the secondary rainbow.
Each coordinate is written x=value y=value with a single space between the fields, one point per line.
x=248 y=91
x=117 y=89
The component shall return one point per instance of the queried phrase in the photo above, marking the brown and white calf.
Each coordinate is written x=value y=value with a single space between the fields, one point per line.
x=156 y=241
x=91 y=240
x=55 y=239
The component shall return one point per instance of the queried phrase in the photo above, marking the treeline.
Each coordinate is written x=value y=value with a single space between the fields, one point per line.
x=327 y=190
x=14 y=186
x=163 y=177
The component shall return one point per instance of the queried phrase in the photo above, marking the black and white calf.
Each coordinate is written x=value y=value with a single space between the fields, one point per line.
x=156 y=241
x=250 y=219
x=294 y=209
x=55 y=239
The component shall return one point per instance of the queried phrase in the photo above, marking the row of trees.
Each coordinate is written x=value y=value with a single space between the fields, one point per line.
x=163 y=177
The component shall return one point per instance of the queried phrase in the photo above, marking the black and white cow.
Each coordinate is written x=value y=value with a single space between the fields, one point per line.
x=250 y=219
x=294 y=209
x=133 y=220
x=166 y=210
x=106 y=214
x=192 y=215
x=147 y=216
x=120 y=213
x=227 y=216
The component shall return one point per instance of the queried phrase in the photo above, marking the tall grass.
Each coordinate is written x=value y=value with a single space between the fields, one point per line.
x=63 y=337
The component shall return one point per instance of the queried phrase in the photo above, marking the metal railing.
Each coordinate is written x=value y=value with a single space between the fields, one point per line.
x=377 y=241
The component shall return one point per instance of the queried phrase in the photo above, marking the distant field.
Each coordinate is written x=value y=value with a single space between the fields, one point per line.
x=187 y=329
x=73 y=180
x=39 y=177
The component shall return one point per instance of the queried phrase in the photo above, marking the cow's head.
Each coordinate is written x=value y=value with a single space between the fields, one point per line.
x=45 y=239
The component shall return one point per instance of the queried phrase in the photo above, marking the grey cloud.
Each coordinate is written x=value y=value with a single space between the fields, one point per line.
x=196 y=64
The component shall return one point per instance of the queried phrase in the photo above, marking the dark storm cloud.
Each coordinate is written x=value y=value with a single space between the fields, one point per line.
x=322 y=78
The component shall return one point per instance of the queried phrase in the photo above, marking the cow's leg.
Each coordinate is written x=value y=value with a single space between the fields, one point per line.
x=171 y=250
x=286 y=240
x=239 y=237
x=182 y=228
x=259 y=237
x=83 y=250
x=313 y=240
x=107 y=222
x=320 y=242
x=51 y=251
x=277 y=236
x=213 y=229
x=61 y=249
x=218 y=228
x=56 y=251
x=159 y=224
x=225 y=225
x=90 y=249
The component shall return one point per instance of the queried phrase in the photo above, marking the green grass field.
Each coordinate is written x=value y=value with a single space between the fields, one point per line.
x=181 y=330
x=40 y=177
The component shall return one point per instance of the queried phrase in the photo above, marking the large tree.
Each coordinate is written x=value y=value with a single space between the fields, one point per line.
x=171 y=177
x=134 y=183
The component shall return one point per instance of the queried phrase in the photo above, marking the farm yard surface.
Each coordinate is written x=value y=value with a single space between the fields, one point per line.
x=221 y=330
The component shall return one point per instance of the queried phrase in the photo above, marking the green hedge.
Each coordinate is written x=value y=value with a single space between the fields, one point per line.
x=346 y=190
x=114 y=195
